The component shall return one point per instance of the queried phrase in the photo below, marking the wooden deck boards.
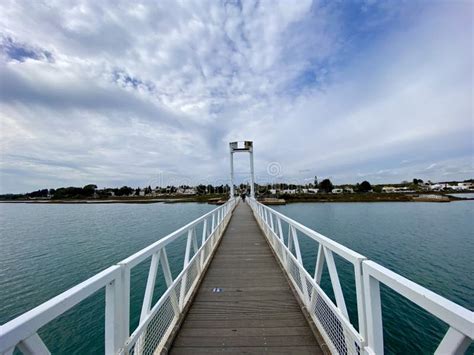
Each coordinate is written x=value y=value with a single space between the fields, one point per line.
x=255 y=312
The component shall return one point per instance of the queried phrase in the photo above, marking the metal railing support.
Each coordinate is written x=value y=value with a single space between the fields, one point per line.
x=33 y=346
x=454 y=342
x=373 y=309
x=114 y=332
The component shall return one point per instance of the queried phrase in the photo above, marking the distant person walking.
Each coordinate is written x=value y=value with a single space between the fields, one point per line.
x=243 y=197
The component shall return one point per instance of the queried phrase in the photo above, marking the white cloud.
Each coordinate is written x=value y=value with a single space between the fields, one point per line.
x=133 y=91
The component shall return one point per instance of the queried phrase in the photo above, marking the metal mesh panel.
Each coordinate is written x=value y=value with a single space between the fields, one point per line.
x=161 y=323
x=295 y=273
x=342 y=339
x=192 y=276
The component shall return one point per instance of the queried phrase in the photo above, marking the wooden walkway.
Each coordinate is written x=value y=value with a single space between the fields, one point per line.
x=253 y=310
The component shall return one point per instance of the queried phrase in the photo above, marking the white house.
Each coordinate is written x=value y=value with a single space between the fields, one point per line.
x=459 y=187
x=437 y=187
x=349 y=190
x=288 y=191
x=389 y=189
x=337 y=191
x=190 y=191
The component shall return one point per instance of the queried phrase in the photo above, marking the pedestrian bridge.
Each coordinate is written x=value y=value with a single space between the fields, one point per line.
x=242 y=289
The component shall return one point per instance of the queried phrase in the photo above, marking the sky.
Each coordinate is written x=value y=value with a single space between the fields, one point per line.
x=151 y=92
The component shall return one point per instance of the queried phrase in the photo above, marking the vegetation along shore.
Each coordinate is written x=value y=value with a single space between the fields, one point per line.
x=279 y=193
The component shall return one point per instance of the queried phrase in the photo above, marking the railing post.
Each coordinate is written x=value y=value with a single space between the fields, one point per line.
x=265 y=219
x=454 y=343
x=185 y=263
x=150 y=286
x=318 y=271
x=361 y=313
x=336 y=285
x=169 y=281
x=114 y=316
x=304 y=286
x=271 y=222
x=280 y=230
x=282 y=241
x=373 y=311
x=32 y=345
x=203 y=241
x=125 y=274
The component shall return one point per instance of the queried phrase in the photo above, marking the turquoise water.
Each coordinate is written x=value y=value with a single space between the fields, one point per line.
x=47 y=249
x=429 y=243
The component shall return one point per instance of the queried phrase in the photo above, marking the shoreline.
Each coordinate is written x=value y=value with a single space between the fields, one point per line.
x=295 y=199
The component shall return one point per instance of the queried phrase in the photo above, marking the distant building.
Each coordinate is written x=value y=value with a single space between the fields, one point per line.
x=437 y=187
x=394 y=189
x=465 y=186
x=348 y=190
x=459 y=187
x=288 y=191
x=186 y=191
x=337 y=191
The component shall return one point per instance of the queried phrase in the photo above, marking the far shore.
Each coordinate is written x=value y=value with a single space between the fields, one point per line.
x=320 y=198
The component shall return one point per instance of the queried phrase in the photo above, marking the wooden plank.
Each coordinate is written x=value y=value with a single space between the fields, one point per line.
x=244 y=341
x=256 y=331
x=254 y=310
x=300 y=350
x=252 y=323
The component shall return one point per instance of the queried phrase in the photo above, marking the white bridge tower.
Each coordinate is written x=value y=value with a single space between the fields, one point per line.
x=245 y=147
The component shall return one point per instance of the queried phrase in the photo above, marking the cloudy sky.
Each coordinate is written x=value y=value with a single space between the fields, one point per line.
x=151 y=92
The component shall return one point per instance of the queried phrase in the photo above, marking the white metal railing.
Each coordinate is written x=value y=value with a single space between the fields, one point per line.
x=156 y=320
x=331 y=318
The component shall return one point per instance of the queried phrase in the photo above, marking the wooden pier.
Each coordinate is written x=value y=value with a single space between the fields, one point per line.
x=244 y=303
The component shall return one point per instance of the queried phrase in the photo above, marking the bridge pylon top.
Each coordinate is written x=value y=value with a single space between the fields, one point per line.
x=241 y=147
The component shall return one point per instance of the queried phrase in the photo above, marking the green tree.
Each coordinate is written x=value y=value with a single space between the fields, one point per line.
x=89 y=190
x=377 y=188
x=365 y=186
x=201 y=189
x=326 y=185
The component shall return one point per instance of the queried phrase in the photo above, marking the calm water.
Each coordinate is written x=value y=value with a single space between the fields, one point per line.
x=46 y=249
